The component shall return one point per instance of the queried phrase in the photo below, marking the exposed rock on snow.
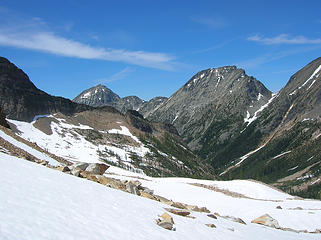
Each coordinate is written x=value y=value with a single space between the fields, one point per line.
x=179 y=212
x=267 y=220
x=166 y=221
x=211 y=225
x=97 y=168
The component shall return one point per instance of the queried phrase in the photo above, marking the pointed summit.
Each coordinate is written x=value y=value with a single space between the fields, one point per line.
x=97 y=96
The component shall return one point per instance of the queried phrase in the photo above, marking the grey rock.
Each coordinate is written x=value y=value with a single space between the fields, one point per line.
x=81 y=166
x=97 y=168
x=132 y=188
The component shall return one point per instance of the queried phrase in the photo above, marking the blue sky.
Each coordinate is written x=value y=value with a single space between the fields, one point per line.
x=151 y=48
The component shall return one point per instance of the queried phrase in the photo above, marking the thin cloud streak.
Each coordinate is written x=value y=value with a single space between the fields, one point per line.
x=210 y=22
x=270 y=57
x=51 y=43
x=117 y=76
x=284 y=39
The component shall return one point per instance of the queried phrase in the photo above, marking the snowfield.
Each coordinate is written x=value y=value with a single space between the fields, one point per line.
x=41 y=203
x=259 y=199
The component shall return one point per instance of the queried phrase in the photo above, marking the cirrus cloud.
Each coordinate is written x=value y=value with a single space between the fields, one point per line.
x=49 y=42
x=283 y=39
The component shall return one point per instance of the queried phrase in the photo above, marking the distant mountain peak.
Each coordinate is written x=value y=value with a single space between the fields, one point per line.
x=96 y=96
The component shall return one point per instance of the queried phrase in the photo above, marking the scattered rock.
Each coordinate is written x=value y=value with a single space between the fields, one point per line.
x=297 y=208
x=211 y=225
x=178 y=205
x=92 y=178
x=81 y=166
x=183 y=213
x=63 y=168
x=97 y=168
x=212 y=216
x=163 y=200
x=197 y=209
x=166 y=225
x=147 y=195
x=316 y=231
x=234 y=219
x=167 y=218
x=75 y=171
x=147 y=190
x=278 y=207
x=267 y=220
x=132 y=188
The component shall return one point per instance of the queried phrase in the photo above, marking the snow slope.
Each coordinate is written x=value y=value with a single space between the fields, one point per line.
x=40 y=203
x=260 y=199
x=32 y=151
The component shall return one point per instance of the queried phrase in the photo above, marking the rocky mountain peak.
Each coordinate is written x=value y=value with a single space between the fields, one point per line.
x=96 y=96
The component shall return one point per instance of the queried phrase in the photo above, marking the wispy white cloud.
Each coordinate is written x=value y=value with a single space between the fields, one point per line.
x=117 y=76
x=284 y=39
x=46 y=41
x=273 y=56
x=211 y=22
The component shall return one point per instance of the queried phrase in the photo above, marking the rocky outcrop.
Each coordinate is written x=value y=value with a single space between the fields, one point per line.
x=179 y=212
x=3 y=121
x=97 y=168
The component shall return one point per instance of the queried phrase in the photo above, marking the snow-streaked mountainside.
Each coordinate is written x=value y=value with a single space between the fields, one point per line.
x=110 y=137
x=40 y=203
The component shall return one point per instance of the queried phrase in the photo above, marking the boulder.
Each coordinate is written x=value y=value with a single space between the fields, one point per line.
x=197 y=209
x=166 y=225
x=132 y=188
x=278 y=207
x=167 y=218
x=234 y=219
x=147 y=190
x=75 y=171
x=97 y=168
x=212 y=216
x=163 y=200
x=267 y=220
x=147 y=195
x=81 y=166
x=211 y=225
x=63 y=168
x=178 y=205
x=179 y=212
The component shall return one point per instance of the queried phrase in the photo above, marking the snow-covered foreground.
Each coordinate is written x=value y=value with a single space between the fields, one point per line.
x=259 y=199
x=40 y=203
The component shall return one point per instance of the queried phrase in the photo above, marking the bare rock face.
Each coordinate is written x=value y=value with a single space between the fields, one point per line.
x=3 y=121
x=267 y=220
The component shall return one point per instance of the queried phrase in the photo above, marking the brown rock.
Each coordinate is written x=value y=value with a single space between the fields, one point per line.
x=163 y=200
x=92 y=178
x=211 y=225
x=183 y=213
x=267 y=220
x=212 y=216
x=166 y=225
x=178 y=205
x=63 y=168
x=97 y=168
x=278 y=207
x=197 y=209
x=147 y=195
x=234 y=219
x=167 y=218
